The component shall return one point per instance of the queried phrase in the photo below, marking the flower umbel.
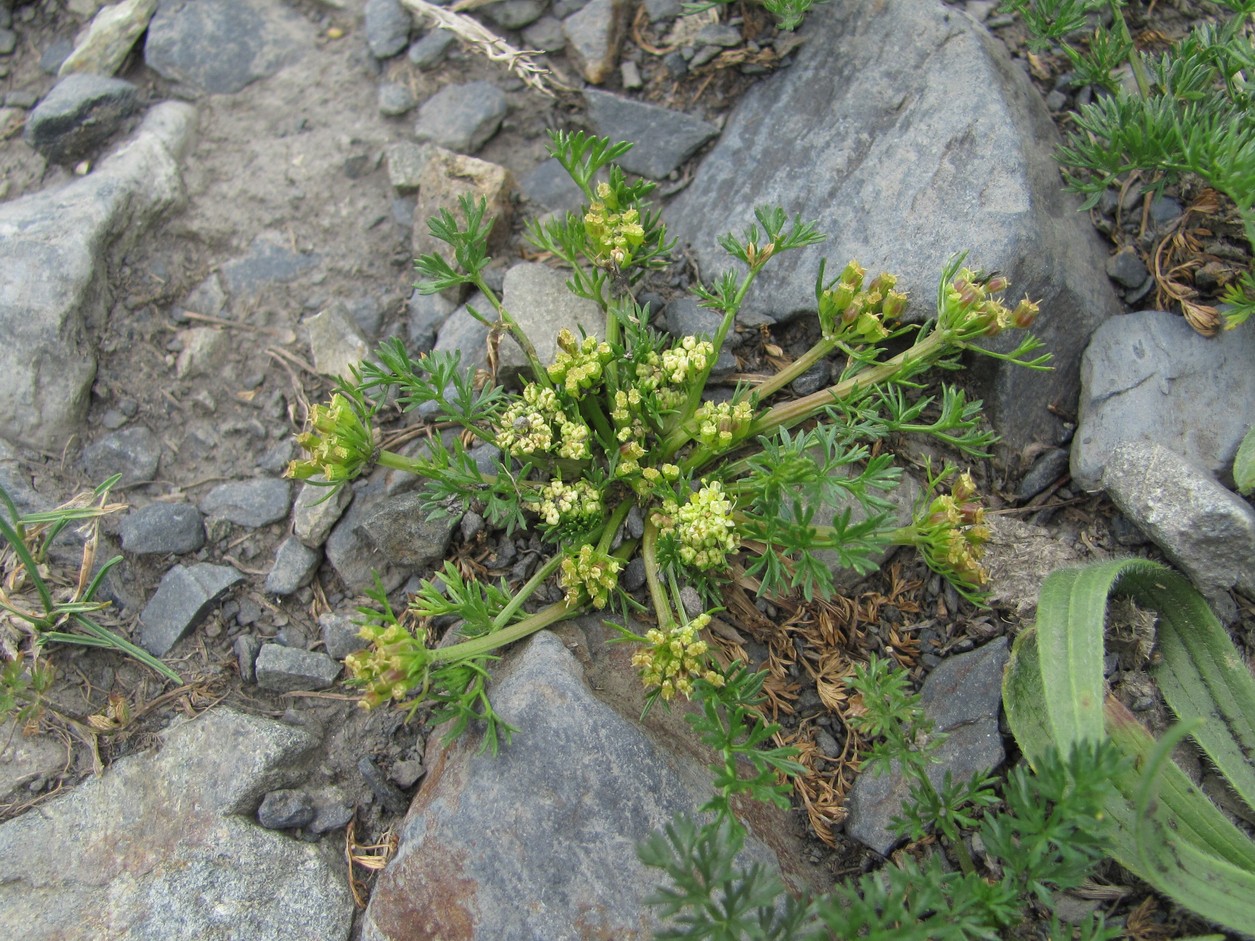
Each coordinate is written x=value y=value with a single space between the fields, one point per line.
x=590 y=574
x=340 y=442
x=390 y=667
x=673 y=659
x=952 y=533
x=702 y=531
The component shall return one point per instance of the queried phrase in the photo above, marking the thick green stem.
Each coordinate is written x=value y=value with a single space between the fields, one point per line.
x=612 y=525
x=657 y=592
x=418 y=466
x=538 y=579
x=479 y=646
x=788 y=414
x=795 y=369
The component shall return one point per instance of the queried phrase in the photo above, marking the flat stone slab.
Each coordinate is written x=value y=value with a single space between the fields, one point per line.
x=181 y=602
x=163 y=847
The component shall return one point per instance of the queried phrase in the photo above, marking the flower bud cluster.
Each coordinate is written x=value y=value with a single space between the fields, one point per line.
x=613 y=234
x=388 y=668
x=954 y=533
x=576 y=504
x=537 y=424
x=579 y=365
x=970 y=307
x=590 y=574
x=675 y=658
x=702 y=531
x=720 y=424
x=853 y=314
x=340 y=443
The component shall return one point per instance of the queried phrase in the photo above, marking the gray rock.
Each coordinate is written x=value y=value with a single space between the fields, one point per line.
x=294 y=568
x=246 y=648
x=54 y=56
x=270 y=261
x=1149 y=377
x=813 y=379
x=339 y=635
x=663 y=138
x=336 y=344
x=514 y=14
x=109 y=38
x=163 y=528
x=395 y=100
x=1049 y=467
x=170 y=833
x=55 y=250
x=462 y=117
x=425 y=314
x=593 y=34
x=132 y=452
x=317 y=511
x=400 y=528
x=220 y=46
x=79 y=114
x=962 y=697
x=8 y=41
x=428 y=52
x=284 y=669
x=249 y=503
x=25 y=759
x=388 y=793
x=405 y=165
x=388 y=26
x=545 y=34
x=1126 y=269
x=551 y=187
x=577 y=826
x=350 y=551
x=286 y=808
x=1208 y=531
x=537 y=297
x=182 y=600
x=907 y=159
x=331 y=812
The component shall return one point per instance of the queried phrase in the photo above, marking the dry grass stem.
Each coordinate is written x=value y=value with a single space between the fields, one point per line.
x=487 y=43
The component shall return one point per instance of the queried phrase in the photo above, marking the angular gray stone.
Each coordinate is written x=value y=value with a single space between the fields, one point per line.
x=249 y=503
x=162 y=528
x=962 y=697
x=79 y=115
x=400 y=529
x=388 y=26
x=1149 y=377
x=181 y=601
x=25 y=759
x=339 y=635
x=514 y=14
x=284 y=669
x=905 y=160
x=56 y=247
x=1208 y=531
x=270 y=261
x=537 y=297
x=463 y=117
x=395 y=99
x=163 y=846
x=336 y=344
x=429 y=51
x=132 y=452
x=663 y=138
x=286 y=808
x=220 y=46
x=566 y=802
x=405 y=165
x=294 y=568
x=349 y=550
x=593 y=36
x=109 y=38
x=317 y=511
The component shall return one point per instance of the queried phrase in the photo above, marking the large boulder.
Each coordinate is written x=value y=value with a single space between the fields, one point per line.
x=918 y=139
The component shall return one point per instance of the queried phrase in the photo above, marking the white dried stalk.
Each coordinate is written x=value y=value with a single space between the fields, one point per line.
x=486 y=42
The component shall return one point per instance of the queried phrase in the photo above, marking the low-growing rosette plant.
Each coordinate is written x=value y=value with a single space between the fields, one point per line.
x=616 y=447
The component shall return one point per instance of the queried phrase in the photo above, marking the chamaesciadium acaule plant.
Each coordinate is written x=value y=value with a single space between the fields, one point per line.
x=617 y=424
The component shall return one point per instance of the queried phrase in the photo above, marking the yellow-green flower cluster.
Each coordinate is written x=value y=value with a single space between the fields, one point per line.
x=537 y=424
x=612 y=234
x=390 y=667
x=953 y=534
x=719 y=424
x=340 y=443
x=969 y=306
x=578 y=366
x=576 y=503
x=853 y=314
x=702 y=530
x=590 y=574
x=675 y=658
